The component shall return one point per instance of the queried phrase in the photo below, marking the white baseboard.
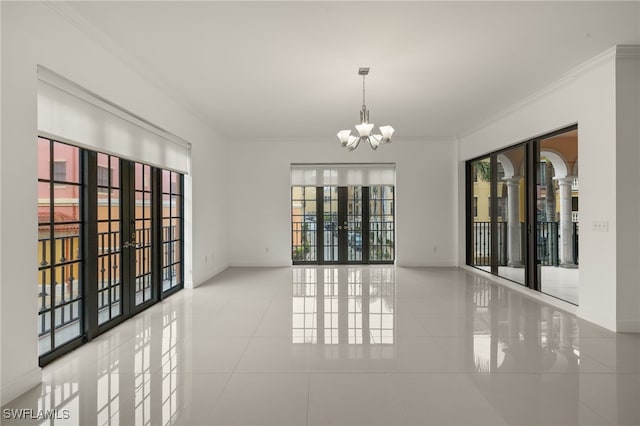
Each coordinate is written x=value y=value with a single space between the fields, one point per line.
x=437 y=264
x=215 y=272
x=273 y=264
x=598 y=318
x=20 y=385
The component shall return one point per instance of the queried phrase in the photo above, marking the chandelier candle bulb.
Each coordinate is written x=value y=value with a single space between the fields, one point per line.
x=364 y=128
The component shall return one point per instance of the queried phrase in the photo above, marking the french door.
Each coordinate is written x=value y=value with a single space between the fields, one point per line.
x=126 y=267
x=109 y=242
x=343 y=224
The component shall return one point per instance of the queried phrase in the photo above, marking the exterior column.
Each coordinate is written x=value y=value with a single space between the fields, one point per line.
x=514 y=244
x=565 y=228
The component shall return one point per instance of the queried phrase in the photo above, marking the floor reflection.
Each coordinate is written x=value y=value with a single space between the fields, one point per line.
x=343 y=305
x=513 y=333
x=305 y=345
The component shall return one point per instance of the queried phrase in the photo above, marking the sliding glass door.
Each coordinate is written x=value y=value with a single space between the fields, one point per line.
x=522 y=214
x=102 y=246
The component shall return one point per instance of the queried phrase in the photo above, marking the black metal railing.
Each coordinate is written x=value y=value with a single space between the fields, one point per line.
x=481 y=244
x=108 y=243
x=64 y=278
x=547 y=243
x=576 y=229
x=547 y=246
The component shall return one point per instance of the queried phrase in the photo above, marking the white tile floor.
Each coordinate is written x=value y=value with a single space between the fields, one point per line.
x=562 y=283
x=346 y=346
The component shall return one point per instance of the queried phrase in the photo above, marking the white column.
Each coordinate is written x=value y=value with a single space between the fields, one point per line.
x=566 y=240
x=513 y=222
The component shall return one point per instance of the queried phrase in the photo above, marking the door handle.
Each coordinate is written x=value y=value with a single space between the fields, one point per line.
x=133 y=243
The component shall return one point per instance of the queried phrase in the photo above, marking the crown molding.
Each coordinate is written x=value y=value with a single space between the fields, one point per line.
x=68 y=13
x=566 y=78
x=626 y=51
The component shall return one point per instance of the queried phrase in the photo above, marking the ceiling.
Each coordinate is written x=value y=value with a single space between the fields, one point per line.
x=289 y=70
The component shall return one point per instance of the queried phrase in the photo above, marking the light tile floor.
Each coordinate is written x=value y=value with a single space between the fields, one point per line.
x=346 y=346
x=555 y=281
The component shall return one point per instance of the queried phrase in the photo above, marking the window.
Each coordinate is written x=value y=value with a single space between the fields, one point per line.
x=103 y=178
x=60 y=171
x=475 y=206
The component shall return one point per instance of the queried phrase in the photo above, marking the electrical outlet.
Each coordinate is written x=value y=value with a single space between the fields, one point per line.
x=601 y=226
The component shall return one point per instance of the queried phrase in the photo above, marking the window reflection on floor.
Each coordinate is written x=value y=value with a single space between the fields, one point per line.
x=333 y=305
x=505 y=340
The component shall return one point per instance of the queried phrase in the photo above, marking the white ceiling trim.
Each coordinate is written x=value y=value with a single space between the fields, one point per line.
x=98 y=36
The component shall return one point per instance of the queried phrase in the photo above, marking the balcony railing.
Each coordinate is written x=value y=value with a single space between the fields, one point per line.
x=68 y=309
x=547 y=243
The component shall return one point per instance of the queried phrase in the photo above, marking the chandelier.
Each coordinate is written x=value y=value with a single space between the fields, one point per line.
x=364 y=128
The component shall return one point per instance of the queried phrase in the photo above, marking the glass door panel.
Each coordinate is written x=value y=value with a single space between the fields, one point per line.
x=330 y=224
x=510 y=215
x=109 y=249
x=381 y=223
x=60 y=256
x=304 y=223
x=354 y=224
x=557 y=216
x=171 y=230
x=480 y=204
x=141 y=243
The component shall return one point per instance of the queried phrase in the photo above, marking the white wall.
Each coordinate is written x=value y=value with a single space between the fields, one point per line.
x=260 y=197
x=32 y=34
x=628 y=189
x=587 y=96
